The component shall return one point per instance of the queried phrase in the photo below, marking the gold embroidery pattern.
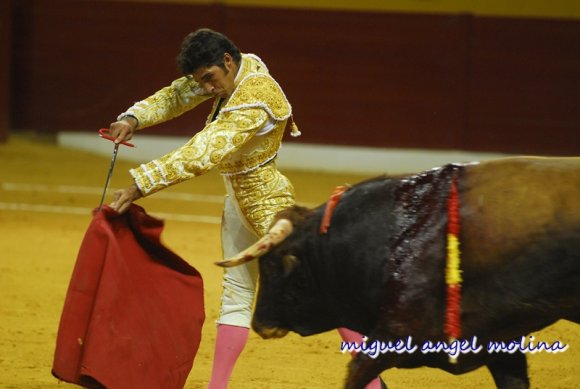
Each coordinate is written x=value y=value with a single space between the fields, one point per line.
x=260 y=90
x=219 y=142
x=261 y=194
x=238 y=139
x=215 y=157
x=182 y=95
x=211 y=147
x=254 y=152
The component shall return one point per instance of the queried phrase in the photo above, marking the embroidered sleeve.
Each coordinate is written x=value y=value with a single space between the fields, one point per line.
x=182 y=95
x=203 y=152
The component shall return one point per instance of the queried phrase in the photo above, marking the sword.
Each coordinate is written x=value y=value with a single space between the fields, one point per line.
x=104 y=133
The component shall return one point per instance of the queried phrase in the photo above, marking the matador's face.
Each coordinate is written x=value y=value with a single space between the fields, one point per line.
x=218 y=80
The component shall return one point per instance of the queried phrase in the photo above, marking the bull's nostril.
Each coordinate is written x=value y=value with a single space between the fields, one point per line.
x=269 y=332
x=273 y=333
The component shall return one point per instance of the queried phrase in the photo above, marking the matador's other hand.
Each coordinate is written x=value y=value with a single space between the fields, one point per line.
x=123 y=130
x=124 y=197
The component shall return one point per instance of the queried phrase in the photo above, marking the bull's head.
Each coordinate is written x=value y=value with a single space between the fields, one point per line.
x=311 y=282
x=288 y=293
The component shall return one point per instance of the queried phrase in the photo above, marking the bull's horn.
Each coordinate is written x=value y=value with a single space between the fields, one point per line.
x=272 y=238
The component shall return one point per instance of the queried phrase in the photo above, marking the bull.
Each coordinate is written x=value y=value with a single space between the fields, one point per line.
x=380 y=268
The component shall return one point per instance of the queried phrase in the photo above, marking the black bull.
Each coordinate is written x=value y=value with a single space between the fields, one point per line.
x=380 y=269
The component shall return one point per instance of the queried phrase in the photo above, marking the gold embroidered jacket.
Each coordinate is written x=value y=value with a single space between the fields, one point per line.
x=242 y=141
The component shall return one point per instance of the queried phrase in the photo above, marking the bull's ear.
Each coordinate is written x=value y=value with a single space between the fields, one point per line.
x=289 y=262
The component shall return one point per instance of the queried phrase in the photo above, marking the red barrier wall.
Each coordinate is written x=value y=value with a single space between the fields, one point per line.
x=5 y=60
x=437 y=81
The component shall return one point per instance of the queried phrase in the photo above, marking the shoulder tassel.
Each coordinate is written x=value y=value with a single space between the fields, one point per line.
x=295 y=132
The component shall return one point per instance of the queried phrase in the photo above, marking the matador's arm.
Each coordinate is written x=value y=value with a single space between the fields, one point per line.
x=203 y=152
x=181 y=96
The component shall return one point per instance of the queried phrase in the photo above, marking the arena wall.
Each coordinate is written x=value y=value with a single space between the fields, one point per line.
x=445 y=78
x=5 y=59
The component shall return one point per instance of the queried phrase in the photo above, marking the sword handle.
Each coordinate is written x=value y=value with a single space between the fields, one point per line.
x=104 y=133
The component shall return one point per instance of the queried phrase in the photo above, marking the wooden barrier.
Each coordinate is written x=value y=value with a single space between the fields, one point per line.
x=5 y=60
x=409 y=80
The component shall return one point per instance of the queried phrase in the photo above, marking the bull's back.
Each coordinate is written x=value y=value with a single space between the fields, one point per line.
x=508 y=203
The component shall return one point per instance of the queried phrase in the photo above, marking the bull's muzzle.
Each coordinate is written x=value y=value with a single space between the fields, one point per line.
x=270 y=332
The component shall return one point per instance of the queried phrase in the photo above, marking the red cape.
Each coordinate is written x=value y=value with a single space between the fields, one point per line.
x=134 y=310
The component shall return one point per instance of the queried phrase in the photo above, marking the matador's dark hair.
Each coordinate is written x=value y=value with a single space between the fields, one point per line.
x=205 y=48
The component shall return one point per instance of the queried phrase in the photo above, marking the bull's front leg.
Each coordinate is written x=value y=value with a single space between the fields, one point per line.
x=510 y=371
x=363 y=369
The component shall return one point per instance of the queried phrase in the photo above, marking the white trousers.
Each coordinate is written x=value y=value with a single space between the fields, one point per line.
x=239 y=282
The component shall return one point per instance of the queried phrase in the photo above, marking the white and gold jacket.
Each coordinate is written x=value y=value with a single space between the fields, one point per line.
x=241 y=142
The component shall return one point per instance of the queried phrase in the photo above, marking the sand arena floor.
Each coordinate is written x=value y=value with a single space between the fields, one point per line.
x=46 y=197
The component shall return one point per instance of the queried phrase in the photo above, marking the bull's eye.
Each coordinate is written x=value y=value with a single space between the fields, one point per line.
x=289 y=262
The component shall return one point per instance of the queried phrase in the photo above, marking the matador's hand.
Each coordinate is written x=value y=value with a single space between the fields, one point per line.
x=123 y=130
x=124 y=197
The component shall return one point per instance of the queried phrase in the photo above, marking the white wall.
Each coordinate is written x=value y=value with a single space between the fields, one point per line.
x=363 y=160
